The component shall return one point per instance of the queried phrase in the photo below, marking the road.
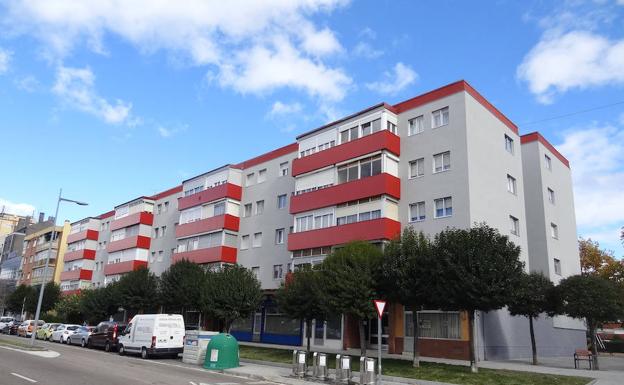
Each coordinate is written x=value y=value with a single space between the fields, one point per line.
x=80 y=366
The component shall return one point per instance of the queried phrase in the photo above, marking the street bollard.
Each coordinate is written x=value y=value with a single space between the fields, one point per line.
x=367 y=371
x=299 y=365
x=319 y=370
x=294 y=363
x=343 y=369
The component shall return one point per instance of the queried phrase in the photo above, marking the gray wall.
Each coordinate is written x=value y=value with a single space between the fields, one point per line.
x=165 y=244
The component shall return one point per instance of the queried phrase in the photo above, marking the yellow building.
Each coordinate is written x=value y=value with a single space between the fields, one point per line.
x=35 y=252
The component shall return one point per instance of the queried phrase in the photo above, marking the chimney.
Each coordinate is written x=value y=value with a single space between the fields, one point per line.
x=41 y=216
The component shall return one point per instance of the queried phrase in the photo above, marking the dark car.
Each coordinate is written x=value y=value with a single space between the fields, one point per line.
x=106 y=335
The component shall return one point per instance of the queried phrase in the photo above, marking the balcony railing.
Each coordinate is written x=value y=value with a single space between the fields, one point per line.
x=143 y=217
x=226 y=221
x=208 y=255
x=79 y=236
x=79 y=254
x=138 y=241
x=228 y=190
x=78 y=274
x=123 y=267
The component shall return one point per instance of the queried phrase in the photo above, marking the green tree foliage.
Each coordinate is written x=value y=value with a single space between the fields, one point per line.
x=68 y=309
x=350 y=281
x=229 y=294
x=19 y=297
x=594 y=298
x=409 y=276
x=138 y=290
x=300 y=297
x=533 y=295
x=51 y=295
x=97 y=305
x=480 y=268
x=181 y=286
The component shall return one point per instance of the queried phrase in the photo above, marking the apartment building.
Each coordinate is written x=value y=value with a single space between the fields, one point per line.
x=446 y=158
x=50 y=242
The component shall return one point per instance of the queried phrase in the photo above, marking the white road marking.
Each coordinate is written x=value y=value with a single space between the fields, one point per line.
x=23 y=377
x=226 y=383
x=45 y=353
x=192 y=383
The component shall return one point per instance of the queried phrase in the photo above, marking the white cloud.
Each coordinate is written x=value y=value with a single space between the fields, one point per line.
x=369 y=33
x=16 y=208
x=228 y=36
x=393 y=82
x=167 y=132
x=27 y=83
x=280 y=108
x=5 y=59
x=364 y=49
x=596 y=156
x=76 y=87
x=576 y=59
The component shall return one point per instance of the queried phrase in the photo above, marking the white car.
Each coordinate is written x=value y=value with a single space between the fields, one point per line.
x=4 y=322
x=62 y=333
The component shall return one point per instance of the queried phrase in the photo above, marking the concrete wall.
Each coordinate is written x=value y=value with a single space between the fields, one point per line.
x=163 y=245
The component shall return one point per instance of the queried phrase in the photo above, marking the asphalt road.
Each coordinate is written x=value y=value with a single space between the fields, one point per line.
x=81 y=366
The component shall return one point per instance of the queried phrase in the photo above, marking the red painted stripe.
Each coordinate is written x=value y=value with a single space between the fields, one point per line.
x=107 y=215
x=536 y=136
x=143 y=217
x=138 y=241
x=382 y=228
x=228 y=190
x=80 y=274
x=365 y=145
x=345 y=192
x=291 y=148
x=209 y=255
x=167 y=193
x=87 y=234
x=226 y=221
x=123 y=267
x=79 y=254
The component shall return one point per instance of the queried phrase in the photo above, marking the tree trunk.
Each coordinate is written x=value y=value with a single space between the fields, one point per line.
x=592 y=345
x=533 y=348
x=416 y=360
x=308 y=333
x=362 y=338
x=473 y=361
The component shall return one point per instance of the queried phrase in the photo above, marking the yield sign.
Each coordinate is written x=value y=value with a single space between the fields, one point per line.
x=379 y=305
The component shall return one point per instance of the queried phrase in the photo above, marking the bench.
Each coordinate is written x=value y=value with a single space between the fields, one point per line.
x=583 y=355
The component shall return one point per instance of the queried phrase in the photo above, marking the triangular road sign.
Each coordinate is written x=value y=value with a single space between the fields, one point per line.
x=379 y=305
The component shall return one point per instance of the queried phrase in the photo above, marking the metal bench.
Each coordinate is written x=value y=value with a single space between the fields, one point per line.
x=583 y=355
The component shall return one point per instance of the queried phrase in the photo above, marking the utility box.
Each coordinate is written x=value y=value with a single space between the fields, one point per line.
x=222 y=352
x=195 y=344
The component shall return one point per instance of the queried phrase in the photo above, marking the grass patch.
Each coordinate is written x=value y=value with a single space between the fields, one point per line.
x=12 y=342
x=454 y=374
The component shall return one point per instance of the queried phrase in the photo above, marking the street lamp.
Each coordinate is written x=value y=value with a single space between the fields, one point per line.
x=47 y=261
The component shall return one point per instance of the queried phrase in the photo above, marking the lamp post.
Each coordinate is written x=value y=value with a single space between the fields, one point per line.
x=47 y=261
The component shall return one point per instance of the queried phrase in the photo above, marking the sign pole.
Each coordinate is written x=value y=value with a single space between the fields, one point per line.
x=379 y=306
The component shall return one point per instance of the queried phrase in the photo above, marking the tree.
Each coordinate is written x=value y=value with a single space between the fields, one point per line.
x=533 y=296
x=408 y=276
x=138 y=291
x=599 y=262
x=230 y=293
x=17 y=300
x=181 y=286
x=594 y=298
x=98 y=304
x=480 y=268
x=51 y=295
x=300 y=298
x=68 y=309
x=350 y=281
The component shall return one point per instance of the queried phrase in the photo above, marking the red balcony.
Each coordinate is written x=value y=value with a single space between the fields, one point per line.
x=382 y=228
x=87 y=234
x=79 y=254
x=70 y=292
x=123 y=267
x=143 y=217
x=226 y=221
x=79 y=274
x=138 y=241
x=382 y=140
x=228 y=190
x=209 y=255
x=345 y=192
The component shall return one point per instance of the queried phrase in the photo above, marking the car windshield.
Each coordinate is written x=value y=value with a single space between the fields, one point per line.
x=72 y=327
x=6 y=319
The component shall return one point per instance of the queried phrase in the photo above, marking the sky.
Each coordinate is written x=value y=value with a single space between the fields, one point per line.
x=111 y=100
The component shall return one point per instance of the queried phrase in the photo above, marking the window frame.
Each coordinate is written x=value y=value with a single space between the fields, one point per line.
x=444 y=208
x=415 y=162
x=418 y=211
x=419 y=118
x=442 y=156
x=441 y=113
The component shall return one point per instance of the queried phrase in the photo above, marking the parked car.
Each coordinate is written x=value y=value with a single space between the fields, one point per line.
x=62 y=332
x=106 y=335
x=6 y=323
x=81 y=336
x=27 y=328
x=21 y=329
x=45 y=332
x=13 y=328
x=153 y=334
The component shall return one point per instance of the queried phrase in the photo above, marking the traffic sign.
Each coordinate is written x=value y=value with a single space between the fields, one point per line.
x=379 y=305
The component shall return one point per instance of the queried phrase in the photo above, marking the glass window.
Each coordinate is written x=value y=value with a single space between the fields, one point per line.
x=417 y=168
x=281 y=201
x=551 y=196
x=344 y=136
x=244 y=242
x=442 y=162
x=257 y=240
x=439 y=325
x=417 y=211
x=509 y=144
x=262 y=175
x=279 y=236
x=354 y=133
x=376 y=125
x=440 y=117
x=554 y=231
x=278 y=270
x=259 y=207
x=366 y=129
x=247 y=212
x=416 y=125
x=333 y=327
x=511 y=184
x=391 y=127
x=557 y=266
x=219 y=208
x=547 y=162
x=443 y=207
x=277 y=323
x=249 y=179
x=283 y=169
x=515 y=225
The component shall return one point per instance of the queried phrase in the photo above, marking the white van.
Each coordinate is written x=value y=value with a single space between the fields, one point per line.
x=153 y=334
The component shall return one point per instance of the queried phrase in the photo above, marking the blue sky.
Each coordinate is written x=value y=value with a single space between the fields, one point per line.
x=112 y=100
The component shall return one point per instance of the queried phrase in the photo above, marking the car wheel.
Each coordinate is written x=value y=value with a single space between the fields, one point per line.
x=144 y=354
x=107 y=347
x=121 y=350
x=82 y=343
x=89 y=344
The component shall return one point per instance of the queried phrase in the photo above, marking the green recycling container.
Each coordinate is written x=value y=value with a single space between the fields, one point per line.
x=222 y=352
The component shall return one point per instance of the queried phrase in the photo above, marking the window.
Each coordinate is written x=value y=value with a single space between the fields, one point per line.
x=283 y=169
x=278 y=271
x=366 y=129
x=557 y=266
x=163 y=230
x=166 y=207
x=551 y=196
x=158 y=208
x=259 y=207
x=244 y=242
x=281 y=201
x=359 y=169
x=509 y=144
x=554 y=231
x=442 y=162
x=443 y=207
x=256 y=271
x=160 y=256
x=219 y=209
x=304 y=223
x=322 y=221
x=417 y=168
x=417 y=212
x=515 y=225
x=249 y=179
x=279 y=236
x=547 y=162
x=511 y=184
x=416 y=125
x=440 y=117
x=446 y=325
x=257 y=240
x=247 y=212
x=391 y=127
x=262 y=175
